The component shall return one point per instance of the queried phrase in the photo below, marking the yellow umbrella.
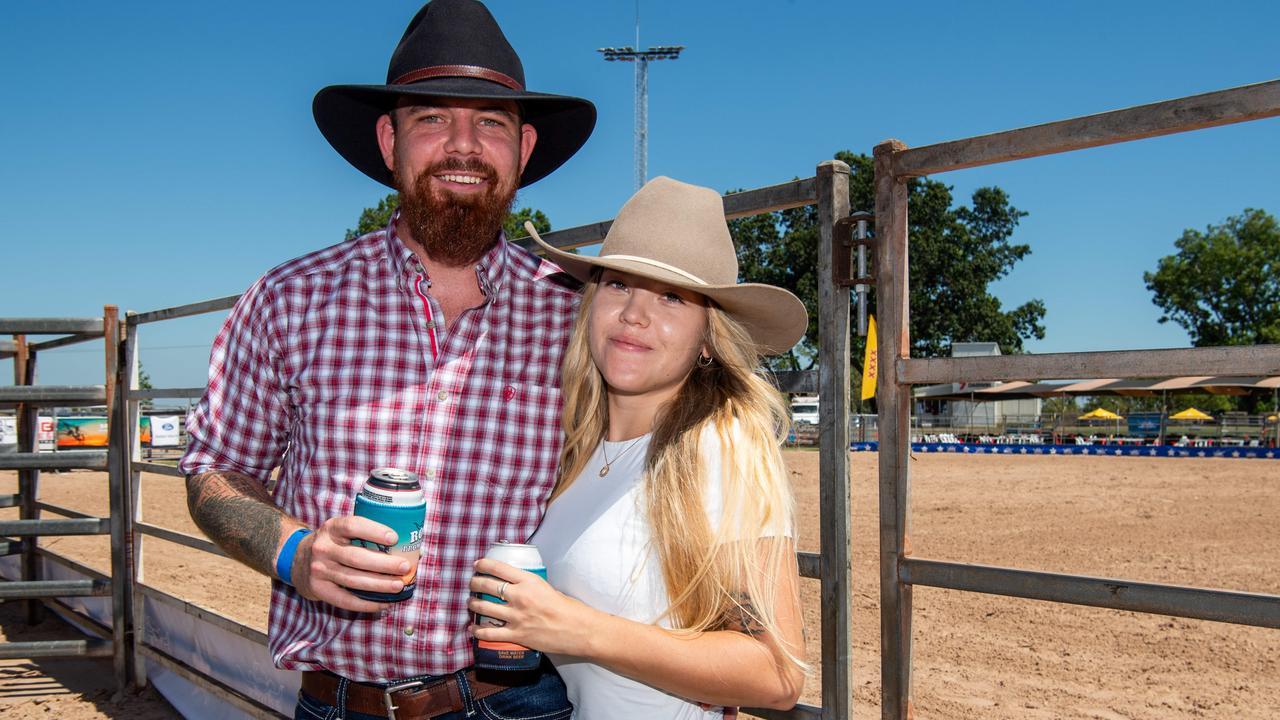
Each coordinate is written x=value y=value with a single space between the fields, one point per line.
x=1100 y=414
x=1191 y=414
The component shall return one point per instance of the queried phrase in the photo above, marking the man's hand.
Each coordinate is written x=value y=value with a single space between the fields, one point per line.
x=237 y=513
x=327 y=565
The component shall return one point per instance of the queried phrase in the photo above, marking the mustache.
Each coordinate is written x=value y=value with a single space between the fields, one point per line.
x=469 y=165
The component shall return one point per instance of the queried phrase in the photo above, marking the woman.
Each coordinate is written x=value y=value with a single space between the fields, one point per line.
x=668 y=541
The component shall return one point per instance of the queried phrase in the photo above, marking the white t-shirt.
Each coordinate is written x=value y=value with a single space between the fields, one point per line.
x=595 y=542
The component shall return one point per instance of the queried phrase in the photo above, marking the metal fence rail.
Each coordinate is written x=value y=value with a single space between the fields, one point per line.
x=26 y=396
x=899 y=572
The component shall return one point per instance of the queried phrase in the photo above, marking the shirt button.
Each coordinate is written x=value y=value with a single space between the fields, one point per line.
x=408 y=631
x=417 y=267
x=431 y=472
x=442 y=396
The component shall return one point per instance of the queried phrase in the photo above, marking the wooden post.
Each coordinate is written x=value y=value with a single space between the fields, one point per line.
x=131 y=372
x=833 y=458
x=118 y=433
x=24 y=373
x=893 y=399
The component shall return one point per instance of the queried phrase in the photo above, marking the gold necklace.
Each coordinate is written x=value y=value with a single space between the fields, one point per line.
x=604 y=450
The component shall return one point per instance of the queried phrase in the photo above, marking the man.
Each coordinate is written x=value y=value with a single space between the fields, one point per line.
x=432 y=346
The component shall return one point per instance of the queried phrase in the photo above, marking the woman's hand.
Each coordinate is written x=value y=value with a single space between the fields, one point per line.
x=536 y=614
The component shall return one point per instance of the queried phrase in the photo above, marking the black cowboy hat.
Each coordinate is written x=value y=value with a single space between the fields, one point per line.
x=452 y=48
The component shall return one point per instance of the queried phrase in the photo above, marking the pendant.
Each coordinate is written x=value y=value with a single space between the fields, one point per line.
x=604 y=471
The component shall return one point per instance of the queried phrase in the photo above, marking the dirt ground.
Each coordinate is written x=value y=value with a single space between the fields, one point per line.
x=1203 y=522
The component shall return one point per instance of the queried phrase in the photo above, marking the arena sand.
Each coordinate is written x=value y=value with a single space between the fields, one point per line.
x=1205 y=522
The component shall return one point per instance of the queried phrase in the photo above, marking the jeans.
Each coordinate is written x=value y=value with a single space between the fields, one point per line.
x=543 y=699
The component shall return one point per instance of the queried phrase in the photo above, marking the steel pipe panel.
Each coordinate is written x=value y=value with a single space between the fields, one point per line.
x=193 y=393
x=54 y=648
x=796 y=381
x=179 y=538
x=158 y=469
x=54 y=395
x=64 y=341
x=1229 y=606
x=46 y=526
x=1223 y=107
x=1237 y=360
x=78 y=459
x=70 y=564
x=29 y=589
x=49 y=326
x=199 y=308
x=64 y=511
x=796 y=193
x=810 y=564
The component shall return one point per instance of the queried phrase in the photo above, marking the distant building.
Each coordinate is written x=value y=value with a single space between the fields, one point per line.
x=966 y=414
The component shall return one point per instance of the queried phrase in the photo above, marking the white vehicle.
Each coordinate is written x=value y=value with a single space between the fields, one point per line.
x=804 y=410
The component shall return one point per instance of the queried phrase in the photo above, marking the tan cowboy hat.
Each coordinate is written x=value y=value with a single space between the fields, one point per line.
x=676 y=233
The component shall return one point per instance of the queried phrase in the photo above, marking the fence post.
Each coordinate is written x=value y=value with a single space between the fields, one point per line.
x=131 y=371
x=24 y=373
x=833 y=458
x=893 y=400
x=118 y=433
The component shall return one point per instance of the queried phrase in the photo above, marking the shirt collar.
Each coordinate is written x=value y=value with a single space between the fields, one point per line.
x=491 y=269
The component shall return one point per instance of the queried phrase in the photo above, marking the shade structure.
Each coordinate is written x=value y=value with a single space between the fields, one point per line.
x=1191 y=414
x=1100 y=414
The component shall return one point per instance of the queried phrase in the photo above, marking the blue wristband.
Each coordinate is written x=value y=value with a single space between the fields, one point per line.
x=284 y=563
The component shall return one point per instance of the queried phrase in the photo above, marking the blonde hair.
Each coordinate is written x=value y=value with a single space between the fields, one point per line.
x=716 y=576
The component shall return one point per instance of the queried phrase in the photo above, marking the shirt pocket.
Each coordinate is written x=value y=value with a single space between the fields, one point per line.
x=526 y=441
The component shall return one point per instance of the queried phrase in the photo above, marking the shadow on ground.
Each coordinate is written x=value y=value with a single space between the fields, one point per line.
x=65 y=688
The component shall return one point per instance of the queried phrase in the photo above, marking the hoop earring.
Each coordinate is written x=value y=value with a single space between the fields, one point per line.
x=704 y=361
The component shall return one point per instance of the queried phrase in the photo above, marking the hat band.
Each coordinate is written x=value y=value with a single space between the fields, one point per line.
x=469 y=71
x=655 y=263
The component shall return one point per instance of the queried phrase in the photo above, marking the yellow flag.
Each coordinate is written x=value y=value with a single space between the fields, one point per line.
x=869 y=365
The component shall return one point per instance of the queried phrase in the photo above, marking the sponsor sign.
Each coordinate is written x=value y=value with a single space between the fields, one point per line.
x=164 y=431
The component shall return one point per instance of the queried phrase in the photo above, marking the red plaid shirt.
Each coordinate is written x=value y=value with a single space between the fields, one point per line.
x=325 y=368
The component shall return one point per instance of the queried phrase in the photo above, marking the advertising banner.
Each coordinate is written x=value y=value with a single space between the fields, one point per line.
x=46 y=434
x=78 y=432
x=81 y=432
x=164 y=431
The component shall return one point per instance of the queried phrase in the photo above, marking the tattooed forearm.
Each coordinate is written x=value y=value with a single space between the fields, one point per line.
x=742 y=617
x=236 y=512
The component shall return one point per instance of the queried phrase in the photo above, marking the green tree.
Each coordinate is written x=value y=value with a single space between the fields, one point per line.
x=377 y=217
x=1223 y=285
x=956 y=253
x=144 y=383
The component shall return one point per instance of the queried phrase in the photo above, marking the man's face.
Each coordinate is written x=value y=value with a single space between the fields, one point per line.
x=457 y=165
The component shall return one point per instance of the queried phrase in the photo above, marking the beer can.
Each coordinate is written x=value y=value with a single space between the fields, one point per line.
x=506 y=655
x=394 y=498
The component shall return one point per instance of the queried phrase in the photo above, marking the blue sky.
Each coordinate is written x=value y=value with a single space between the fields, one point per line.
x=155 y=154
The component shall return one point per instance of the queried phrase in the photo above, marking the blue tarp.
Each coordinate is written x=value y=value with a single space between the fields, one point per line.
x=1122 y=450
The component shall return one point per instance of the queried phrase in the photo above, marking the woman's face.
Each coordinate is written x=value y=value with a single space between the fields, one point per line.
x=645 y=336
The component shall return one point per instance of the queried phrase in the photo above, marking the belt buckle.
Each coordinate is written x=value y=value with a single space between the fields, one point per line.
x=395 y=688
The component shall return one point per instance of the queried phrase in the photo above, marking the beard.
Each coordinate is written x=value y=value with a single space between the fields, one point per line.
x=455 y=230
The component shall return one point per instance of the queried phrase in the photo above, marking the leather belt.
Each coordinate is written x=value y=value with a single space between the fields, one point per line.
x=415 y=700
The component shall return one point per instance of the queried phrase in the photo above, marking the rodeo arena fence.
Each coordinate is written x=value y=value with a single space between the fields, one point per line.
x=210 y=665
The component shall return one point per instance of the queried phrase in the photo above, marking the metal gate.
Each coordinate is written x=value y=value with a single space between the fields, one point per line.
x=21 y=536
x=895 y=163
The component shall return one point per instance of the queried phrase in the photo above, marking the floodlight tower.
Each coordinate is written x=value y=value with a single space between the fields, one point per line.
x=641 y=58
